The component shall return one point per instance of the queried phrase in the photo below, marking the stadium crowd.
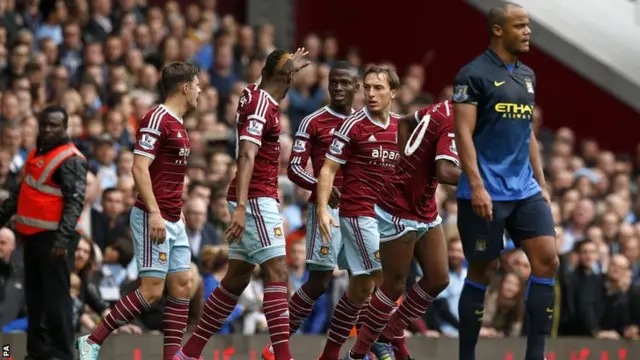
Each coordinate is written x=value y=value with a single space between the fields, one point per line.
x=102 y=63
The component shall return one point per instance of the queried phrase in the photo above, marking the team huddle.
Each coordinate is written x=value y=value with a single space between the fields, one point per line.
x=372 y=203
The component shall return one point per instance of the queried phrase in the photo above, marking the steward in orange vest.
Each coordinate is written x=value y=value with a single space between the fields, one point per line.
x=47 y=207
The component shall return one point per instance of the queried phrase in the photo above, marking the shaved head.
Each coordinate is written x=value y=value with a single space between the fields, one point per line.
x=498 y=15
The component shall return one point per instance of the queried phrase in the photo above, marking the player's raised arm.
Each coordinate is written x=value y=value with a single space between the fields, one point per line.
x=300 y=153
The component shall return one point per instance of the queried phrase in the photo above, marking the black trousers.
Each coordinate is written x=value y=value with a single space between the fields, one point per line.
x=49 y=307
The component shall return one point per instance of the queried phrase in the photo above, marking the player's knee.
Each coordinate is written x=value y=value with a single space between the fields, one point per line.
x=545 y=264
x=275 y=270
x=437 y=282
x=482 y=271
x=179 y=284
x=318 y=282
x=394 y=285
x=360 y=289
x=151 y=288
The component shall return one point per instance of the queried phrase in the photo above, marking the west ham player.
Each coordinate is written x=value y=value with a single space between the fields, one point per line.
x=409 y=226
x=312 y=140
x=161 y=244
x=502 y=185
x=366 y=148
x=253 y=194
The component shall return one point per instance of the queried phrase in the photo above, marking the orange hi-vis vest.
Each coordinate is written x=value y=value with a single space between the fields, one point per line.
x=40 y=203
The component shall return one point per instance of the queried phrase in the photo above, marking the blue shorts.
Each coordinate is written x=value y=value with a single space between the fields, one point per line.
x=361 y=242
x=392 y=227
x=263 y=238
x=158 y=260
x=524 y=219
x=323 y=257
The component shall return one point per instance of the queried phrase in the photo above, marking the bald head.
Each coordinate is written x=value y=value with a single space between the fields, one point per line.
x=497 y=15
x=7 y=244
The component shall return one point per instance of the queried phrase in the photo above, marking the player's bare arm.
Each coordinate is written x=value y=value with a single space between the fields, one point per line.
x=464 y=118
x=140 y=171
x=447 y=172
x=247 y=151
x=406 y=125
x=536 y=164
x=324 y=190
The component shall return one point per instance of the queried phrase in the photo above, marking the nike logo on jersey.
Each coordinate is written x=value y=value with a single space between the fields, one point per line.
x=498 y=84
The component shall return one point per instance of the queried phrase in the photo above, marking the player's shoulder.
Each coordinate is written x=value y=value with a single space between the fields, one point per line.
x=155 y=119
x=257 y=101
x=525 y=70
x=309 y=121
x=474 y=68
x=353 y=122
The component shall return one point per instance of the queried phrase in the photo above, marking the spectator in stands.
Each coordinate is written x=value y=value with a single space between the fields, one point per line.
x=199 y=232
x=582 y=293
x=504 y=307
x=12 y=301
x=214 y=261
x=316 y=322
x=85 y=267
x=446 y=305
x=254 y=320
x=616 y=312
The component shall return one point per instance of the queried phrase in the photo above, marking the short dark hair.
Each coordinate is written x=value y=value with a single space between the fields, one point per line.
x=498 y=14
x=271 y=64
x=52 y=109
x=392 y=76
x=344 y=65
x=193 y=184
x=174 y=74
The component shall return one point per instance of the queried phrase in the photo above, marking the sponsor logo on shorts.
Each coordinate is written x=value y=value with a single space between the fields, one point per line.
x=377 y=254
x=324 y=250
x=163 y=257
x=277 y=231
x=481 y=245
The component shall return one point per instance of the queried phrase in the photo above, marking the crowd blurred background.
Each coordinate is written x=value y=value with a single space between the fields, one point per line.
x=101 y=62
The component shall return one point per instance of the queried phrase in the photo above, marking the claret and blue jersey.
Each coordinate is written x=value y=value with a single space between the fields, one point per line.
x=504 y=95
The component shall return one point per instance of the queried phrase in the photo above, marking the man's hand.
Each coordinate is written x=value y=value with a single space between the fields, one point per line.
x=632 y=332
x=59 y=249
x=608 y=335
x=157 y=229
x=481 y=203
x=130 y=329
x=334 y=200
x=297 y=57
x=238 y=224
x=325 y=222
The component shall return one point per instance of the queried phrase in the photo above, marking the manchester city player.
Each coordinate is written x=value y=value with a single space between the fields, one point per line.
x=502 y=185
